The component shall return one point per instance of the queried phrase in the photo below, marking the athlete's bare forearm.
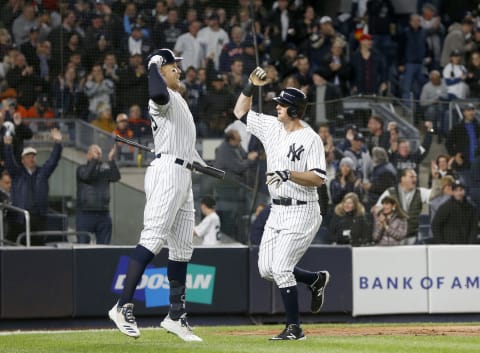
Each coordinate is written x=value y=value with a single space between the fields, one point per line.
x=242 y=106
x=306 y=178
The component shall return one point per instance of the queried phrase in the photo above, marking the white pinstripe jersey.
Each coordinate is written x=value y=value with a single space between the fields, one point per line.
x=300 y=150
x=173 y=128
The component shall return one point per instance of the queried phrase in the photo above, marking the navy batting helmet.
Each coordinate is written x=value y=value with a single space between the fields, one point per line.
x=294 y=99
x=167 y=55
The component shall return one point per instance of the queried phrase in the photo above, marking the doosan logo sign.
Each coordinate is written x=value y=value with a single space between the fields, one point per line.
x=153 y=288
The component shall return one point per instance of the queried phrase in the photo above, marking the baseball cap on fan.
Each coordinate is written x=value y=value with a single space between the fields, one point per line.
x=29 y=150
x=167 y=55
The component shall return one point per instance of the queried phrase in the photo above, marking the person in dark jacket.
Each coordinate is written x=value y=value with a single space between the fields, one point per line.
x=349 y=225
x=30 y=186
x=383 y=176
x=465 y=136
x=93 y=195
x=456 y=221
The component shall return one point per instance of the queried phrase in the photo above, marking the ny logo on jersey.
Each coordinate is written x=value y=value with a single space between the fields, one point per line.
x=295 y=153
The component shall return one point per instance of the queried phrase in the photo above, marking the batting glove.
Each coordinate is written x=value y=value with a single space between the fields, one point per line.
x=258 y=77
x=156 y=59
x=278 y=177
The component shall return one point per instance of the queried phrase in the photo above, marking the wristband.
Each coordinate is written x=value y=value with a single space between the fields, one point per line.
x=248 y=89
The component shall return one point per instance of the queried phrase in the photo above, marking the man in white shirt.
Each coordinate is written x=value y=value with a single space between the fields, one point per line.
x=209 y=227
x=213 y=38
x=189 y=47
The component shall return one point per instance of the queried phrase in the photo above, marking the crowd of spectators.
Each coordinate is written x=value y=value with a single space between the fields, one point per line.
x=86 y=60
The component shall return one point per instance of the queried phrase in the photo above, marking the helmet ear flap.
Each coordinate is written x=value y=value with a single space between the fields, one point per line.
x=292 y=111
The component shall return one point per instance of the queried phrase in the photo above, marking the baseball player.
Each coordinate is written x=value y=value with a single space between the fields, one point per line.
x=295 y=168
x=169 y=213
x=209 y=228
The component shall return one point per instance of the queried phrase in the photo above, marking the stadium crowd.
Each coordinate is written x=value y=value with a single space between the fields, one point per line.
x=86 y=60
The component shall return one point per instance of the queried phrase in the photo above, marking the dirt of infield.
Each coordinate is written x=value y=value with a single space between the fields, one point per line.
x=410 y=330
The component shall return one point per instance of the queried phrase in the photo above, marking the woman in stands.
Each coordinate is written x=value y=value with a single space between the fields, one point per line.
x=390 y=226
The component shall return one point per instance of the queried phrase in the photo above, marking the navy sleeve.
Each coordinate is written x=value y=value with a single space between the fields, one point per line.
x=157 y=89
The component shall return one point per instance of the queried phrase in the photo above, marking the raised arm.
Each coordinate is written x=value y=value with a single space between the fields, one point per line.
x=258 y=77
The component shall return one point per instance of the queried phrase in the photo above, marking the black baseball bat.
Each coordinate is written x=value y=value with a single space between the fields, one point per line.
x=208 y=170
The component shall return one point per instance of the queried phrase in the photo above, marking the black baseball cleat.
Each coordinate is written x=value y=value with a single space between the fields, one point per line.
x=292 y=332
x=318 y=291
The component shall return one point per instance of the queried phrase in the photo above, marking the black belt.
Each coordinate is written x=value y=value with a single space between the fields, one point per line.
x=180 y=161
x=288 y=202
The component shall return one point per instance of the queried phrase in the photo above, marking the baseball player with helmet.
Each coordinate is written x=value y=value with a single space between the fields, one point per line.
x=295 y=168
x=169 y=212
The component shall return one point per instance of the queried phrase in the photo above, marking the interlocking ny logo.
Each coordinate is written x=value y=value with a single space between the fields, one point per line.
x=294 y=154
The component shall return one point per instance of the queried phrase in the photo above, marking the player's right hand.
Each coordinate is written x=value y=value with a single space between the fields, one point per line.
x=156 y=59
x=259 y=77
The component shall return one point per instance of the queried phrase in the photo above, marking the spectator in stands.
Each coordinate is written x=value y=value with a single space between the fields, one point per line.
x=457 y=39
x=213 y=38
x=122 y=129
x=287 y=62
x=5 y=189
x=391 y=224
x=303 y=73
x=280 y=21
x=43 y=64
x=98 y=90
x=305 y=26
x=249 y=57
x=72 y=51
x=132 y=84
x=445 y=192
x=215 y=107
x=22 y=24
x=392 y=128
x=232 y=158
x=435 y=30
x=434 y=94
x=412 y=52
x=473 y=73
x=30 y=185
x=463 y=139
x=136 y=44
x=139 y=125
x=25 y=81
x=439 y=168
x=270 y=90
x=104 y=119
x=209 y=228
x=93 y=195
x=165 y=35
x=346 y=142
x=258 y=225
x=362 y=161
x=378 y=135
x=29 y=48
x=67 y=90
x=336 y=68
x=95 y=30
x=10 y=11
x=349 y=225
x=381 y=26
x=61 y=35
x=383 y=176
x=18 y=130
x=41 y=108
x=456 y=221
x=188 y=46
x=110 y=67
x=233 y=49
x=327 y=98
x=404 y=157
x=346 y=181
x=96 y=52
x=411 y=199
x=369 y=74
x=236 y=78
x=455 y=75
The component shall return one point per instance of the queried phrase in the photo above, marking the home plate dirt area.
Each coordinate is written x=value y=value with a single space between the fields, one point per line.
x=407 y=330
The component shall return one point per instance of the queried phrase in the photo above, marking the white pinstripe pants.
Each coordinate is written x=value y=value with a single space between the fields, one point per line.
x=169 y=214
x=288 y=233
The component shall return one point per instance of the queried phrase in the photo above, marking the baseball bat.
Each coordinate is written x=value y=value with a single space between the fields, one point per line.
x=207 y=170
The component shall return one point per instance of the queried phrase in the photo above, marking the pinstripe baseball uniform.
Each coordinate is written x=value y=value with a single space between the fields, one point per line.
x=169 y=212
x=289 y=230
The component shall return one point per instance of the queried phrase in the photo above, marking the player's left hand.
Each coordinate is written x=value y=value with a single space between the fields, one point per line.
x=278 y=177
